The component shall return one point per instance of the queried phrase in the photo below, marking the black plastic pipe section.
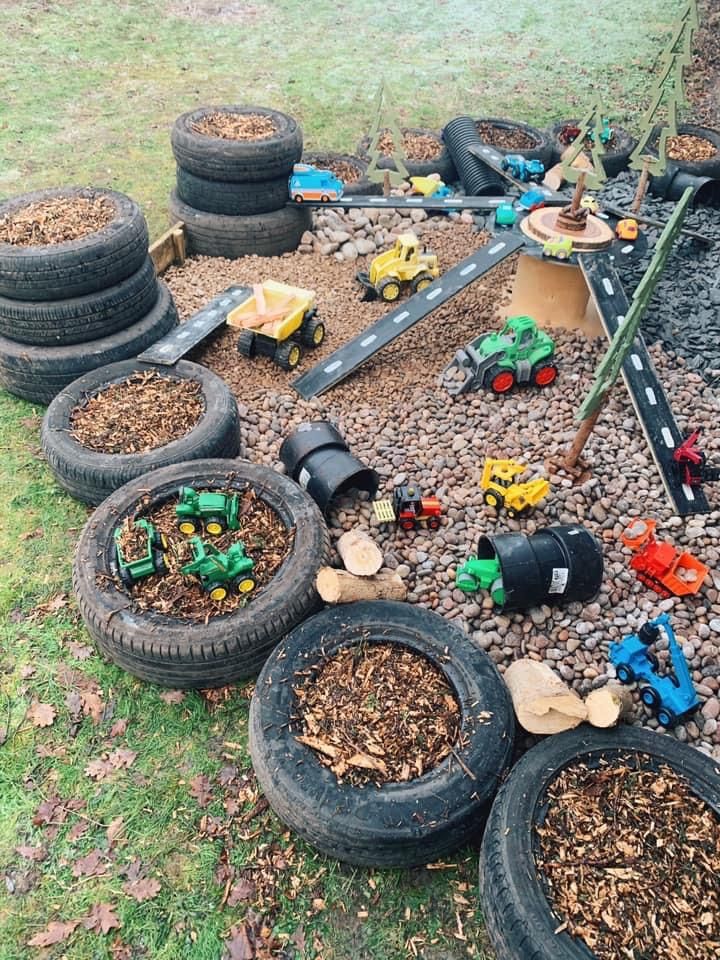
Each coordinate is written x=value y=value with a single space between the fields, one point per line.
x=554 y=566
x=318 y=459
x=476 y=177
x=673 y=183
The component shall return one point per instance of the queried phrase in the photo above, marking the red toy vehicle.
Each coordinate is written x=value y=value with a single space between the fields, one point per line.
x=659 y=565
x=410 y=509
x=692 y=464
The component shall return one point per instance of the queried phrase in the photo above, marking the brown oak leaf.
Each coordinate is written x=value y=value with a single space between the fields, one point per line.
x=118 y=728
x=55 y=932
x=74 y=704
x=91 y=865
x=92 y=705
x=239 y=944
x=172 y=696
x=200 y=790
x=32 y=853
x=98 y=769
x=41 y=714
x=102 y=919
x=115 y=828
x=140 y=890
x=122 y=757
x=77 y=830
x=46 y=811
x=242 y=890
x=81 y=651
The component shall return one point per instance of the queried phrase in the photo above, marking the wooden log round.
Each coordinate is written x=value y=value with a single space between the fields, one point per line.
x=360 y=554
x=543 y=702
x=608 y=705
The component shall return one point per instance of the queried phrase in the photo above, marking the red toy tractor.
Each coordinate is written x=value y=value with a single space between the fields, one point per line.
x=691 y=462
x=409 y=509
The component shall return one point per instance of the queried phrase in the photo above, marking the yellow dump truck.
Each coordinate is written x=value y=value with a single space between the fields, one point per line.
x=277 y=321
x=402 y=264
x=519 y=499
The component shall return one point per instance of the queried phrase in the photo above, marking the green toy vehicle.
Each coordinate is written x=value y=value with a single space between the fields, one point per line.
x=505 y=215
x=153 y=553
x=559 y=247
x=477 y=574
x=215 y=512
x=219 y=572
x=519 y=353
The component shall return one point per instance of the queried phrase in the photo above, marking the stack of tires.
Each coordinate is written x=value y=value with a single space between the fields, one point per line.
x=232 y=194
x=70 y=307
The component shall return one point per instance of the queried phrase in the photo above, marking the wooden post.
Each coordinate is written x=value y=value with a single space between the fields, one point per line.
x=581 y=438
x=543 y=703
x=386 y=184
x=642 y=184
x=578 y=195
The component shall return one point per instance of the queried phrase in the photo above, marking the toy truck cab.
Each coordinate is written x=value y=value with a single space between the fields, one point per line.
x=522 y=169
x=310 y=183
x=498 y=482
x=519 y=353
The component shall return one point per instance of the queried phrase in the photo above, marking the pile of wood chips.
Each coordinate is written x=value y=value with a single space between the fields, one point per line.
x=344 y=171
x=377 y=713
x=133 y=541
x=266 y=538
x=686 y=146
x=512 y=138
x=236 y=126
x=416 y=146
x=142 y=413
x=632 y=861
x=56 y=220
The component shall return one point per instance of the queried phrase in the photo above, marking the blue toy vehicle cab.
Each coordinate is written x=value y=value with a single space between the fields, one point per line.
x=309 y=183
x=522 y=169
x=532 y=200
x=672 y=696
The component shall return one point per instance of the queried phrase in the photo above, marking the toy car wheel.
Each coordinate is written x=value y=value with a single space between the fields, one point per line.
x=389 y=290
x=512 y=514
x=324 y=198
x=218 y=592
x=126 y=578
x=562 y=255
x=246 y=344
x=649 y=697
x=499 y=380
x=666 y=718
x=298 y=198
x=287 y=355
x=313 y=332
x=544 y=374
x=421 y=281
x=407 y=524
x=187 y=526
x=433 y=523
x=215 y=526
x=625 y=673
x=491 y=499
x=244 y=584
x=159 y=562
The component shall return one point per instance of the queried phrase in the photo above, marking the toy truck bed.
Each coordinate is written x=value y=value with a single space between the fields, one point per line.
x=274 y=310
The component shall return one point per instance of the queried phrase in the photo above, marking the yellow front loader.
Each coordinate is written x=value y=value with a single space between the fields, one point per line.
x=519 y=499
x=402 y=264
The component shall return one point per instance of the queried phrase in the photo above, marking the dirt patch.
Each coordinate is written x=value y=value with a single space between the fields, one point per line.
x=378 y=713
x=209 y=11
x=236 y=126
x=632 y=859
x=417 y=146
x=267 y=542
x=142 y=413
x=506 y=138
x=686 y=146
x=56 y=220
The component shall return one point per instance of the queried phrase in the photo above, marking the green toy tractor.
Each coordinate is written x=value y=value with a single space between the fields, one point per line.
x=152 y=546
x=220 y=573
x=477 y=574
x=213 y=512
x=519 y=353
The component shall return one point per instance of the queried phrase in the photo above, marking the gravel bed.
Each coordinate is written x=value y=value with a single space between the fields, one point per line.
x=397 y=419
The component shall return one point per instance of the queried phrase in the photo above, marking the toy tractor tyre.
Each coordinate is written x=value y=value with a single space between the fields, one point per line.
x=433 y=523
x=217 y=591
x=389 y=290
x=422 y=281
x=187 y=526
x=244 y=584
x=288 y=354
x=160 y=563
x=246 y=344
x=408 y=525
x=126 y=578
x=543 y=374
x=313 y=332
x=649 y=697
x=666 y=718
x=499 y=380
x=214 y=526
x=492 y=499
x=625 y=673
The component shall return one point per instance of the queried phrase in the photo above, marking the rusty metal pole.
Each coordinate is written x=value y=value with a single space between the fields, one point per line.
x=581 y=438
x=642 y=184
x=578 y=195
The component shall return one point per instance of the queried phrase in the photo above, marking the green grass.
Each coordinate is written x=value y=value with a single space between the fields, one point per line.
x=90 y=92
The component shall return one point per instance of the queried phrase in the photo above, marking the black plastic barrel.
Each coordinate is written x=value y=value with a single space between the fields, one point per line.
x=674 y=182
x=318 y=459
x=476 y=177
x=554 y=566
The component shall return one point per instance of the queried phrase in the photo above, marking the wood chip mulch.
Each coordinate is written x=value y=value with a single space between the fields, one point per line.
x=506 y=139
x=417 y=146
x=236 y=126
x=632 y=861
x=266 y=538
x=686 y=146
x=56 y=220
x=142 y=413
x=377 y=713
x=133 y=541
x=344 y=170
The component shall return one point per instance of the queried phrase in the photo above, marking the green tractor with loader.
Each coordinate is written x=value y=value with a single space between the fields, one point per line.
x=220 y=573
x=212 y=512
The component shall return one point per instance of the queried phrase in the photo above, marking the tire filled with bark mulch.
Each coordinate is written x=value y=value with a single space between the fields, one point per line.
x=695 y=149
x=615 y=153
x=167 y=628
x=424 y=152
x=605 y=844
x=379 y=733
x=123 y=420
x=512 y=136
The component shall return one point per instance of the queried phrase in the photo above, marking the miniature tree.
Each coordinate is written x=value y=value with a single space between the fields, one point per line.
x=386 y=119
x=611 y=364
x=594 y=178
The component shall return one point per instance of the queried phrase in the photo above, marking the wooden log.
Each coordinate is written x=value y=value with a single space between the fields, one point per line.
x=339 y=586
x=608 y=705
x=543 y=702
x=360 y=554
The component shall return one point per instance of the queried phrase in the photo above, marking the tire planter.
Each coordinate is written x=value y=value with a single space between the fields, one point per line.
x=91 y=476
x=60 y=322
x=698 y=168
x=614 y=161
x=518 y=917
x=231 y=199
x=265 y=235
x=38 y=374
x=542 y=149
x=442 y=164
x=360 y=187
x=398 y=824
x=237 y=161
x=61 y=270
x=186 y=654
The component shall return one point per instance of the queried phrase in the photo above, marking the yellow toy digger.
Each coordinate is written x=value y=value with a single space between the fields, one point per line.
x=519 y=499
x=400 y=265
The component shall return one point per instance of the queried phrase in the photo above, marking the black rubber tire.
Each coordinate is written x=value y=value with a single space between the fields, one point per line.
x=38 y=374
x=264 y=235
x=237 y=161
x=542 y=150
x=399 y=824
x=63 y=270
x=57 y=323
x=91 y=476
x=231 y=199
x=614 y=161
x=517 y=915
x=442 y=164
x=360 y=187
x=189 y=655
x=698 y=168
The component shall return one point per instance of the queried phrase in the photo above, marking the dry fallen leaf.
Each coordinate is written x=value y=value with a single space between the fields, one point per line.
x=98 y=769
x=92 y=865
x=119 y=728
x=92 y=705
x=242 y=890
x=102 y=919
x=114 y=830
x=32 y=853
x=140 y=890
x=42 y=714
x=122 y=757
x=239 y=945
x=172 y=696
x=200 y=790
x=80 y=651
x=56 y=932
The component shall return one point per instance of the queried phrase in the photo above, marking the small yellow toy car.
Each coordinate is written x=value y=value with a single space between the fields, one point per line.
x=590 y=203
x=627 y=229
x=559 y=247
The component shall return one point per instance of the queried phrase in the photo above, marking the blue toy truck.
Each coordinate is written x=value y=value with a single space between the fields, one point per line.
x=672 y=696
x=309 y=183
x=522 y=169
x=532 y=200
